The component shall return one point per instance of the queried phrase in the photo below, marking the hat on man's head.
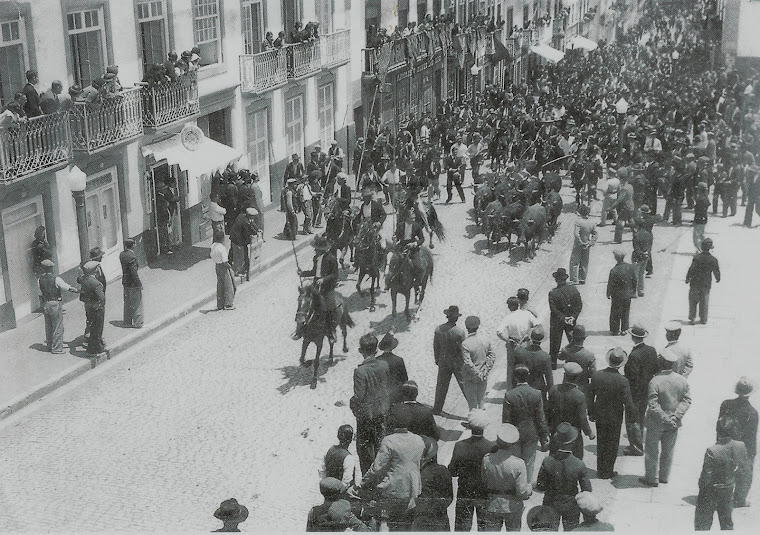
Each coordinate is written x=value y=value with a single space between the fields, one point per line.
x=542 y=518
x=471 y=323
x=669 y=355
x=616 y=357
x=320 y=242
x=744 y=386
x=477 y=420
x=673 y=326
x=90 y=266
x=295 y=157
x=645 y=209
x=251 y=211
x=410 y=390
x=707 y=244
x=579 y=332
x=96 y=253
x=47 y=263
x=231 y=510
x=330 y=486
x=538 y=333
x=560 y=274
x=388 y=342
x=129 y=242
x=702 y=185
x=452 y=312
x=507 y=435
x=638 y=331
x=573 y=369
x=109 y=76
x=588 y=504
x=565 y=434
x=333 y=142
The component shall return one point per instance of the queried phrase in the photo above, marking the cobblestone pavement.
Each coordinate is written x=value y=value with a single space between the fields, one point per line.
x=218 y=406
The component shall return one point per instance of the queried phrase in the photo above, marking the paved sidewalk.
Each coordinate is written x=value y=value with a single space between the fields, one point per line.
x=173 y=286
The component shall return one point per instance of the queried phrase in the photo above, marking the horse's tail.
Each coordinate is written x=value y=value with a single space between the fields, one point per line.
x=435 y=225
x=348 y=321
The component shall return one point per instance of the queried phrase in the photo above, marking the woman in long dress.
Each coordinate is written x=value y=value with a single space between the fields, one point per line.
x=225 y=282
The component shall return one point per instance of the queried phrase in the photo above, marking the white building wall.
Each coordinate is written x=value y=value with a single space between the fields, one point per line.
x=748 y=38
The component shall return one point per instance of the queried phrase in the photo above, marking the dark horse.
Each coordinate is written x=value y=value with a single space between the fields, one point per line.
x=339 y=229
x=409 y=270
x=369 y=258
x=311 y=323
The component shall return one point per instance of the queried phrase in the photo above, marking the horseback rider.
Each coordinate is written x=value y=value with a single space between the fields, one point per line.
x=371 y=213
x=325 y=273
x=409 y=231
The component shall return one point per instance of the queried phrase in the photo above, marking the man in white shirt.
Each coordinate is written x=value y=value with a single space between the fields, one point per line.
x=338 y=462
x=305 y=195
x=391 y=179
x=515 y=330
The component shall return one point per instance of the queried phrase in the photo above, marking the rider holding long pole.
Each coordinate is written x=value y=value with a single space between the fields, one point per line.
x=325 y=273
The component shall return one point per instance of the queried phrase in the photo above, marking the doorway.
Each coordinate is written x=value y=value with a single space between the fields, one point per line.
x=103 y=221
x=165 y=195
x=19 y=223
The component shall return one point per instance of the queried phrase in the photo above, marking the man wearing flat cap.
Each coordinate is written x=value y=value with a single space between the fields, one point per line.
x=685 y=364
x=524 y=408
x=538 y=363
x=745 y=415
x=567 y=403
x=699 y=278
x=477 y=361
x=590 y=507
x=447 y=351
x=130 y=280
x=584 y=357
x=466 y=462
x=669 y=400
x=641 y=366
x=92 y=294
x=562 y=476
x=420 y=417
x=609 y=395
x=506 y=481
x=335 y=513
x=565 y=304
x=621 y=288
x=50 y=287
x=542 y=518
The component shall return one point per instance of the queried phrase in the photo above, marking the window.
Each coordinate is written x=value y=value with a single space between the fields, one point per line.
x=294 y=126
x=526 y=16
x=253 y=27
x=421 y=10
x=208 y=34
x=325 y=12
x=326 y=113
x=291 y=10
x=258 y=148
x=151 y=16
x=403 y=14
x=510 y=21
x=12 y=59
x=88 y=45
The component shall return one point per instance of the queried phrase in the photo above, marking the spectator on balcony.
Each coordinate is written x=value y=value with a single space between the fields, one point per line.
x=32 y=106
x=74 y=95
x=195 y=59
x=155 y=75
x=112 y=76
x=184 y=62
x=268 y=43
x=50 y=101
x=95 y=92
x=20 y=99
x=310 y=32
x=296 y=34
x=11 y=118
x=280 y=41
x=170 y=66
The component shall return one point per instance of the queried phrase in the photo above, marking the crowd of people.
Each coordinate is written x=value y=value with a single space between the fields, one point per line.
x=299 y=34
x=687 y=132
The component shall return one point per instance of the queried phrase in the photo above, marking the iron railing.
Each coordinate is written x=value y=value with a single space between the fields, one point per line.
x=263 y=71
x=303 y=59
x=35 y=145
x=97 y=126
x=336 y=48
x=170 y=102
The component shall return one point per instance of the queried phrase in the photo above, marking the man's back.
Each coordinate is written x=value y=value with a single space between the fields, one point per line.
x=746 y=418
x=420 y=417
x=539 y=364
x=371 y=392
x=565 y=301
x=622 y=281
x=585 y=228
x=523 y=408
x=584 y=358
x=562 y=474
x=609 y=392
x=466 y=461
x=668 y=396
x=642 y=365
x=567 y=403
x=447 y=343
x=701 y=271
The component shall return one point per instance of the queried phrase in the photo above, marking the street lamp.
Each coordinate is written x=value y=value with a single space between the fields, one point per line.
x=77 y=182
x=474 y=70
x=621 y=107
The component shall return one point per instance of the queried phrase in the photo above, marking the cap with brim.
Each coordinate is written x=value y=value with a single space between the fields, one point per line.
x=320 y=242
x=291 y=180
x=638 y=331
x=537 y=334
x=251 y=211
x=507 y=435
x=616 y=357
x=645 y=209
x=47 y=263
x=477 y=420
x=90 y=265
x=673 y=325
x=542 y=518
x=744 y=386
x=573 y=369
x=669 y=355
x=452 y=311
x=588 y=504
x=579 y=332
x=702 y=185
x=96 y=252
x=330 y=486
x=560 y=274
x=565 y=434
x=388 y=342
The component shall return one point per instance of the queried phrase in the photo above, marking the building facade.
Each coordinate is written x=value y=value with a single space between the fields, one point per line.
x=243 y=106
x=737 y=19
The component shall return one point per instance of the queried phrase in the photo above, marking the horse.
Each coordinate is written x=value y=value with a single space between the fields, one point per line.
x=407 y=271
x=311 y=323
x=339 y=230
x=533 y=229
x=369 y=258
x=553 y=204
x=484 y=194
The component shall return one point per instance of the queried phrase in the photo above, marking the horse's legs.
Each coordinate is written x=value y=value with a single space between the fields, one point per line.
x=314 y=378
x=407 y=295
x=344 y=331
x=362 y=273
x=304 y=346
x=432 y=245
x=394 y=293
x=373 y=280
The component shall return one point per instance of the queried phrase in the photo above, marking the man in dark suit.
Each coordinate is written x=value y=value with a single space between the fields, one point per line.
x=537 y=361
x=409 y=230
x=466 y=462
x=419 y=416
x=133 y=308
x=745 y=416
x=371 y=211
x=92 y=294
x=565 y=304
x=575 y=352
x=641 y=366
x=325 y=273
x=567 y=403
x=96 y=255
x=621 y=288
x=447 y=351
x=699 y=277
x=609 y=394
x=396 y=366
x=370 y=402
x=524 y=408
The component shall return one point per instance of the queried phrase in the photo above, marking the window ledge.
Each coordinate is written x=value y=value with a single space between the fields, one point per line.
x=211 y=70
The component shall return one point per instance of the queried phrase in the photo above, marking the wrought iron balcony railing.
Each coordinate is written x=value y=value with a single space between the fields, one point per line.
x=336 y=48
x=115 y=120
x=33 y=146
x=263 y=71
x=303 y=59
x=171 y=102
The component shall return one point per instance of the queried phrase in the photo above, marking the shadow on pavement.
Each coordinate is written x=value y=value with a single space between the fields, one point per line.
x=591 y=448
x=298 y=375
x=398 y=324
x=450 y=435
x=450 y=416
x=691 y=500
x=627 y=481
x=42 y=348
x=182 y=259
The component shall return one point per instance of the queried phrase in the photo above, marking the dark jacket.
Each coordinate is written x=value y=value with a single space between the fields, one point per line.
x=642 y=245
x=242 y=230
x=334 y=516
x=746 y=418
x=701 y=270
x=91 y=292
x=584 y=358
x=129 y=278
x=398 y=375
x=32 y=106
x=421 y=418
x=371 y=395
x=524 y=408
x=567 y=403
x=609 y=393
x=722 y=461
x=622 y=282
x=562 y=476
x=540 y=365
x=565 y=301
x=642 y=365
x=465 y=464
x=434 y=499
x=447 y=344
x=418 y=234
x=329 y=271
x=377 y=213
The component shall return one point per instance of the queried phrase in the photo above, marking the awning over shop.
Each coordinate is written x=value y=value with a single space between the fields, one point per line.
x=582 y=42
x=208 y=157
x=547 y=52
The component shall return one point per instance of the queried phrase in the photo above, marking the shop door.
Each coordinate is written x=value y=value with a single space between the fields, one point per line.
x=258 y=151
x=166 y=221
x=19 y=223
x=103 y=222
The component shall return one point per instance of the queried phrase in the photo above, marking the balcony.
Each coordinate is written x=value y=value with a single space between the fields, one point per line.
x=98 y=126
x=262 y=72
x=303 y=59
x=170 y=103
x=37 y=145
x=336 y=48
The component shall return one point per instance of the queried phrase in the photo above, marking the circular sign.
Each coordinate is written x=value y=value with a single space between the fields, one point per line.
x=191 y=137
